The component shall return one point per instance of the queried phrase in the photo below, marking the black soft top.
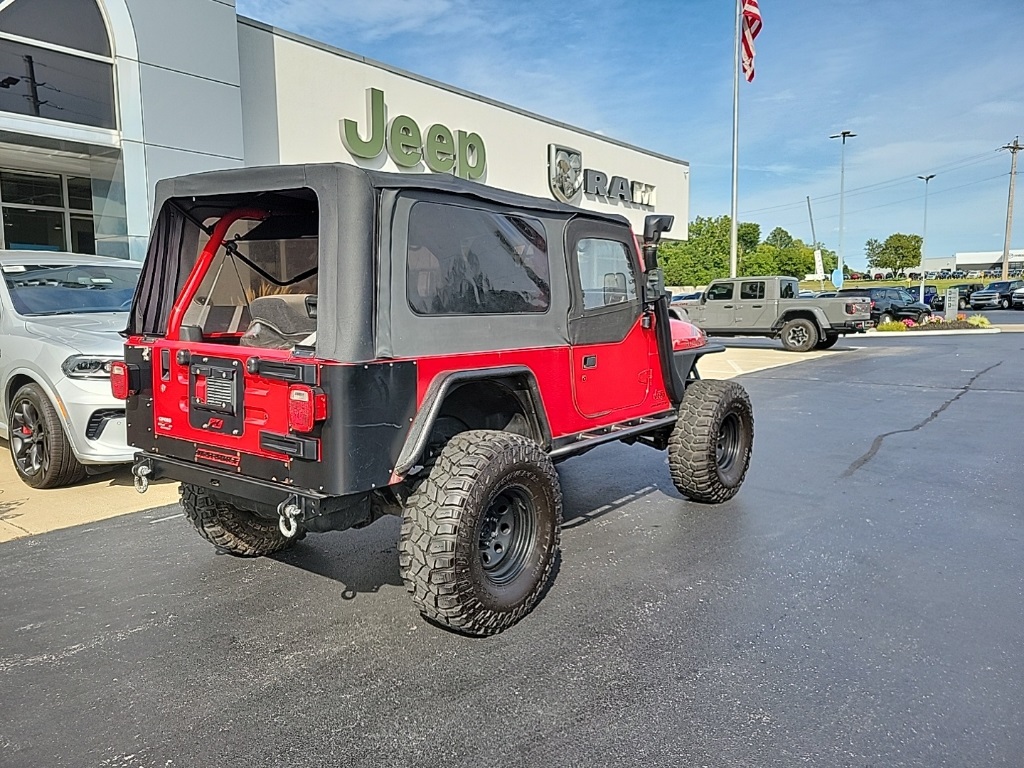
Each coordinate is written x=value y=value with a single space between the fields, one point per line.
x=348 y=200
x=334 y=184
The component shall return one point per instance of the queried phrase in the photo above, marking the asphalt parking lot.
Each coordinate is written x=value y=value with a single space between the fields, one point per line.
x=859 y=603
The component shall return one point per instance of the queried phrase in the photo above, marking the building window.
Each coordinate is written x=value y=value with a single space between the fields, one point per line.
x=47 y=212
x=66 y=71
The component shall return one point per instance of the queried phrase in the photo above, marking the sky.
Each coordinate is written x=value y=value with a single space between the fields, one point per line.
x=928 y=86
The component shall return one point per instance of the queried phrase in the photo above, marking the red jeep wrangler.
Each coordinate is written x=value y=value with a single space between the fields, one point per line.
x=312 y=347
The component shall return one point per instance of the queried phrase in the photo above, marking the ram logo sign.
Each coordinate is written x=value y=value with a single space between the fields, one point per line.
x=569 y=180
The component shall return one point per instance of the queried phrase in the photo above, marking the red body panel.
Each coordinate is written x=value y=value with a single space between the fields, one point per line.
x=639 y=389
x=265 y=400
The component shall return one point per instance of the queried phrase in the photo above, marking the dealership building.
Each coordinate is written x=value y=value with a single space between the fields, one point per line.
x=100 y=99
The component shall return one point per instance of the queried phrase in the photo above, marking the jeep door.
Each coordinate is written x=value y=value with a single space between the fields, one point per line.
x=611 y=350
x=719 y=307
x=750 y=309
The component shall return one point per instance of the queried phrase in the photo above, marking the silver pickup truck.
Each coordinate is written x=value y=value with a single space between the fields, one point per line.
x=769 y=306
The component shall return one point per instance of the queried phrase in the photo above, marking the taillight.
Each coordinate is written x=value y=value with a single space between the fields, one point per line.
x=306 y=406
x=121 y=380
x=872 y=303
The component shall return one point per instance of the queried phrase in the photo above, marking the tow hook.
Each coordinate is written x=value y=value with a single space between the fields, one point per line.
x=140 y=474
x=289 y=513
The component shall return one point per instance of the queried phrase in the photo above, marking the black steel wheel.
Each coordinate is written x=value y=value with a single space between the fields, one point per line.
x=39 y=446
x=799 y=335
x=710 y=445
x=480 y=532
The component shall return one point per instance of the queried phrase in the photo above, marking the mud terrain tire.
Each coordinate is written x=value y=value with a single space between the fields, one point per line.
x=232 y=530
x=709 y=448
x=480 y=532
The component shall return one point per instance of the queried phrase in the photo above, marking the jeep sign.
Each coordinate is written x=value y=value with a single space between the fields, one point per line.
x=568 y=178
x=407 y=145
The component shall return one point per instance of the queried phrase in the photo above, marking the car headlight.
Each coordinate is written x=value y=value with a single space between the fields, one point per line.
x=88 y=367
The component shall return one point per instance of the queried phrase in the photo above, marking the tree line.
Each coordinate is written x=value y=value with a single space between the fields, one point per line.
x=705 y=256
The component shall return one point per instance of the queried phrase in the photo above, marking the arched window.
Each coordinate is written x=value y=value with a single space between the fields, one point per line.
x=56 y=62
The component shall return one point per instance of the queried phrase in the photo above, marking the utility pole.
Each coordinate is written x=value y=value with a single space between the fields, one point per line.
x=33 y=86
x=844 y=135
x=1014 y=148
x=924 y=231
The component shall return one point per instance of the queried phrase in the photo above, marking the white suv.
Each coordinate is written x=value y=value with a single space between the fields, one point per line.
x=60 y=320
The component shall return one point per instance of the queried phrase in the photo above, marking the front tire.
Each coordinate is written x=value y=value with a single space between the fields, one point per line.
x=480 y=533
x=1004 y=303
x=235 y=531
x=961 y=304
x=42 y=453
x=799 y=335
x=709 y=448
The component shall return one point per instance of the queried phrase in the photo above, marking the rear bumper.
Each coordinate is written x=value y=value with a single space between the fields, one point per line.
x=855 y=326
x=261 y=491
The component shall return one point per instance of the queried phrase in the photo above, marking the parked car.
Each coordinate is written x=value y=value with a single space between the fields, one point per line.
x=974 y=274
x=1017 y=299
x=995 y=295
x=804 y=293
x=297 y=385
x=888 y=304
x=938 y=301
x=825 y=295
x=770 y=306
x=60 y=318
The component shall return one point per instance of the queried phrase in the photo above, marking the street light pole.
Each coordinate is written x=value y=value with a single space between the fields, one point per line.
x=924 y=229
x=844 y=135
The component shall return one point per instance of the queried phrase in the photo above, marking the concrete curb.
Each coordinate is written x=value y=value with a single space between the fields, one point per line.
x=961 y=332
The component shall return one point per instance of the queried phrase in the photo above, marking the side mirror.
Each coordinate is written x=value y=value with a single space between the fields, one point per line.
x=614 y=288
x=654 y=225
x=654 y=285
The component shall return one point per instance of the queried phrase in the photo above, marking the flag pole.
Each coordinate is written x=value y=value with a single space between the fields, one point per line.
x=734 y=224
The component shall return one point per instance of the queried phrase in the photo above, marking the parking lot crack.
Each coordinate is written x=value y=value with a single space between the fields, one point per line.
x=876 y=444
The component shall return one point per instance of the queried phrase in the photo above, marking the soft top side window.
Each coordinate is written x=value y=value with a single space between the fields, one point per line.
x=787 y=289
x=469 y=261
x=606 y=272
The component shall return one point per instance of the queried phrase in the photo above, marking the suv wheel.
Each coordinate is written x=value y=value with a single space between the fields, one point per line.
x=230 y=529
x=480 y=533
x=961 y=304
x=828 y=342
x=885 y=317
x=799 y=335
x=709 y=449
x=39 y=446
x=1004 y=303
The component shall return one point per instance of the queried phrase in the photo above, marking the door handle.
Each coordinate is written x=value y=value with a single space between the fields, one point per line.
x=727 y=306
x=758 y=306
x=590 y=361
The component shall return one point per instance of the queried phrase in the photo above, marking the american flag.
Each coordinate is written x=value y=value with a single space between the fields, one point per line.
x=751 y=29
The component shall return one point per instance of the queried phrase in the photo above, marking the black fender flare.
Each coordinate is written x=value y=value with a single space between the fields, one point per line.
x=529 y=398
